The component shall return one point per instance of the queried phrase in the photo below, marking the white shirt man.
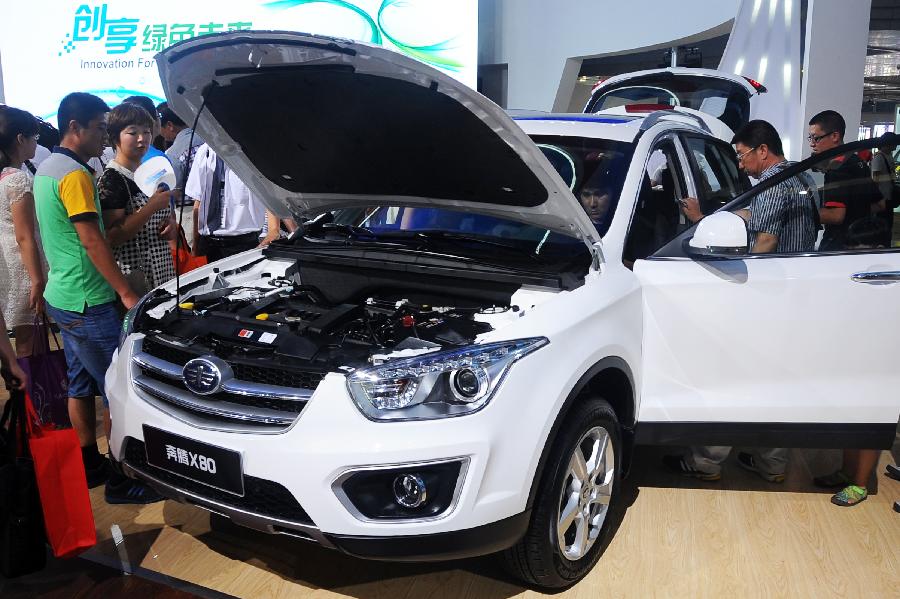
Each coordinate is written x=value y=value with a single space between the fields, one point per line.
x=227 y=218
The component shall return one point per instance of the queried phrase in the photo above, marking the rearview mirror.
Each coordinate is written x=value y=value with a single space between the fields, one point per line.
x=723 y=234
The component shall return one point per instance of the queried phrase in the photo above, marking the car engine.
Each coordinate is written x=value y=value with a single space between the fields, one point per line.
x=288 y=324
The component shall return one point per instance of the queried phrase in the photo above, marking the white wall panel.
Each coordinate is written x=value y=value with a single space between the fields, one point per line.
x=837 y=32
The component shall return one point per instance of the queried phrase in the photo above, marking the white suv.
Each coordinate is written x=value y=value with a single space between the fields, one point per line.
x=455 y=357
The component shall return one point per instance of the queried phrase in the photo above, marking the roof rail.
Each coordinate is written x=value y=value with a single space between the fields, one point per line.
x=655 y=117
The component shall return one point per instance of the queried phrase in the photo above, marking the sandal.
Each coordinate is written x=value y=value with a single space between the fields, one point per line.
x=835 y=480
x=850 y=495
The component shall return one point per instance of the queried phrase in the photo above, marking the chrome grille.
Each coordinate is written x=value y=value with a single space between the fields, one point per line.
x=239 y=404
x=252 y=373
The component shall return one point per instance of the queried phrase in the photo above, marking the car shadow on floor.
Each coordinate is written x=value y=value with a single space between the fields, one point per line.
x=315 y=567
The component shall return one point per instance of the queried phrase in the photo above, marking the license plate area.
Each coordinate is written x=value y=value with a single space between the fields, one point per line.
x=207 y=464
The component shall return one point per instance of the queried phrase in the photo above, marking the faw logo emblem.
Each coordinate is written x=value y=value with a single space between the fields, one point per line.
x=202 y=376
x=190 y=459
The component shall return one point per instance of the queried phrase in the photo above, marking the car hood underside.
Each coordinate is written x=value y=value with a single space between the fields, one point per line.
x=312 y=124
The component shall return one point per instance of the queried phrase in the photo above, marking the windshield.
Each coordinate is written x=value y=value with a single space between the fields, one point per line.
x=727 y=101
x=594 y=169
x=627 y=96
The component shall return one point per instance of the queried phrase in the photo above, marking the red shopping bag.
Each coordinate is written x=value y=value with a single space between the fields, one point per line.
x=184 y=260
x=68 y=517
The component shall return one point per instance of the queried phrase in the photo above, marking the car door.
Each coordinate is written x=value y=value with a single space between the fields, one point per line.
x=770 y=349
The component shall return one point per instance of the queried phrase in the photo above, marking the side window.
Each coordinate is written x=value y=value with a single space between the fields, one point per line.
x=833 y=206
x=715 y=171
x=657 y=217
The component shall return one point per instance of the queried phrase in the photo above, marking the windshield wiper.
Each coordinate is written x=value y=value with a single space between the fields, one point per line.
x=351 y=231
x=428 y=237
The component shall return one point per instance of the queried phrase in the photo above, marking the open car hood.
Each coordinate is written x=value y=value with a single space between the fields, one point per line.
x=312 y=123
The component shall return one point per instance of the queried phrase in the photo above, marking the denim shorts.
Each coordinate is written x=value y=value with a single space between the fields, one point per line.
x=90 y=339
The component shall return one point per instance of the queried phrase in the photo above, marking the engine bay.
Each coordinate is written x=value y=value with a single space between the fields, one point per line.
x=287 y=324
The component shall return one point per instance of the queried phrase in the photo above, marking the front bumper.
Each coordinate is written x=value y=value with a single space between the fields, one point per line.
x=473 y=542
x=329 y=439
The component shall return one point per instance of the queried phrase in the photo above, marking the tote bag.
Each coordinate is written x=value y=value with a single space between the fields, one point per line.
x=58 y=467
x=48 y=382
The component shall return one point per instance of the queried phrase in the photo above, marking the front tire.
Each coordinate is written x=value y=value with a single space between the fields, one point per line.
x=574 y=510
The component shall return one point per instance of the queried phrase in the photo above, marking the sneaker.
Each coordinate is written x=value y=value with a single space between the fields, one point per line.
x=98 y=475
x=747 y=461
x=849 y=496
x=835 y=480
x=679 y=465
x=130 y=491
x=892 y=471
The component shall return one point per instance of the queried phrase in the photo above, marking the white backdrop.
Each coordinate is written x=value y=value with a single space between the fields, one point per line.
x=49 y=48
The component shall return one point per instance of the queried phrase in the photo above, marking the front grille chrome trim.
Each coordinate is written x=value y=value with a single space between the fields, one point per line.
x=248 y=389
x=235 y=386
x=160 y=367
x=220 y=409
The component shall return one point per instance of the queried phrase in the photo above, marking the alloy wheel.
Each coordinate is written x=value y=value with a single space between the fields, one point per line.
x=585 y=494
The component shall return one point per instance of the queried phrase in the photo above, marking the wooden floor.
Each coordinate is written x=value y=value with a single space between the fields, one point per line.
x=740 y=537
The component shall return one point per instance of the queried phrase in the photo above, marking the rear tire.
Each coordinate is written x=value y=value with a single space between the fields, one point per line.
x=575 y=507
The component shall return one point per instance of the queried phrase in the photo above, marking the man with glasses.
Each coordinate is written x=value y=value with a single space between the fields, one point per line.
x=849 y=193
x=783 y=218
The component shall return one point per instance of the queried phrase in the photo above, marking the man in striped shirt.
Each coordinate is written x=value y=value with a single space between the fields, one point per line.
x=784 y=217
x=780 y=219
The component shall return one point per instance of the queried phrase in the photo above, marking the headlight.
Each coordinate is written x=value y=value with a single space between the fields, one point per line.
x=438 y=385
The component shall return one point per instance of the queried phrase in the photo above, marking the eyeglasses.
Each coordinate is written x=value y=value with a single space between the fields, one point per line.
x=817 y=138
x=740 y=157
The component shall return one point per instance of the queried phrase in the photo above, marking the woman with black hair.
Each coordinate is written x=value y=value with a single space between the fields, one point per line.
x=138 y=228
x=22 y=266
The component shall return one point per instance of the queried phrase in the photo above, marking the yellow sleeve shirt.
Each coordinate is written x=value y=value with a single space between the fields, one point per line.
x=76 y=191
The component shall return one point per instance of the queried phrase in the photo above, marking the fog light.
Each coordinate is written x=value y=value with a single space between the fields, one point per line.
x=410 y=490
x=402 y=492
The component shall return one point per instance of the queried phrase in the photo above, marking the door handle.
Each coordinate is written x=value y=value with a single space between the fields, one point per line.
x=889 y=276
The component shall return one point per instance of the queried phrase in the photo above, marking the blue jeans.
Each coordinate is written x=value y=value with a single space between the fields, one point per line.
x=90 y=339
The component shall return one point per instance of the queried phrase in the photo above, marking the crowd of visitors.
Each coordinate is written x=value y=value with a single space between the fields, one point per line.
x=80 y=242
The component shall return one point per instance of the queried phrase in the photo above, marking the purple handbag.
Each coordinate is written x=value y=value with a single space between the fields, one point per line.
x=48 y=381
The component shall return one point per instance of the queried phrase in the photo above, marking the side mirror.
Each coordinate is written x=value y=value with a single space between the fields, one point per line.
x=723 y=235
